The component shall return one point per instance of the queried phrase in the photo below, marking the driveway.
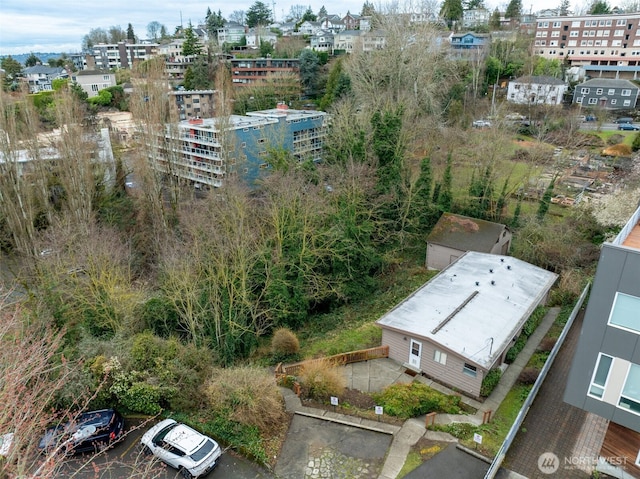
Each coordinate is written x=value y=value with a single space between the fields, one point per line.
x=316 y=448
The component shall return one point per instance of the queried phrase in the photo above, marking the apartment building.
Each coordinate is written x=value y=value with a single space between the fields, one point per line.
x=247 y=71
x=192 y=103
x=605 y=46
x=121 y=55
x=205 y=151
x=605 y=374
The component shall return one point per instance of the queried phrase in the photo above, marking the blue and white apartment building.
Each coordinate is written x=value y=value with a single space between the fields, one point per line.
x=205 y=151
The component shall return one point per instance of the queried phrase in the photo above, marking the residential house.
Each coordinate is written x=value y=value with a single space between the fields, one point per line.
x=536 y=90
x=111 y=56
x=460 y=325
x=232 y=32
x=193 y=103
x=258 y=35
x=351 y=21
x=40 y=77
x=605 y=46
x=346 y=41
x=475 y=17
x=176 y=63
x=453 y=235
x=469 y=41
x=365 y=23
x=606 y=93
x=373 y=40
x=287 y=28
x=332 y=23
x=206 y=151
x=247 y=71
x=605 y=374
x=322 y=42
x=92 y=81
x=310 y=28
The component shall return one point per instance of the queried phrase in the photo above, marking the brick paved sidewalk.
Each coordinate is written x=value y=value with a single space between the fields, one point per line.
x=554 y=426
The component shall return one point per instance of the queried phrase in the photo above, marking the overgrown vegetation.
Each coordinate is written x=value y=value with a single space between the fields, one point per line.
x=415 y=399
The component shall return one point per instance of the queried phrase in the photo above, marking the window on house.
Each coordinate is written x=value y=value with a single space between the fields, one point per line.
x=626 y=92
x=440 y=357
x=614 y=101
x=593 y=101
x=627 y=103
x=599 y=91
x=630 y=396
x=584 y=91
x=611 y=91
x=470 y=370
x=600 y=376
x=94 y=87
x=624 y=312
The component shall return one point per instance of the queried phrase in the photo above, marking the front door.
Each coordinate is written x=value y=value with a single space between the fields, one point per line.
x=415 y=353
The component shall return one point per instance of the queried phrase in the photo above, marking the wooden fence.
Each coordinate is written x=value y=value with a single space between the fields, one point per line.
x=337 y=359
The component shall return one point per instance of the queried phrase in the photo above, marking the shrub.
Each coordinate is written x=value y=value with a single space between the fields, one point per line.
x=246 y=395
x=415 y=399
x=160 y=316
x=528 y=375
x=143 y=398
x=284 y=345
x=147 y=348
x=534 y=320
x=460 y=430
x=490 y=382
x=514 y=350
x=321 y=379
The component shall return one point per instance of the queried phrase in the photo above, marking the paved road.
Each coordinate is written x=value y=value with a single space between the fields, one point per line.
x=126 y=460
x=451 y=463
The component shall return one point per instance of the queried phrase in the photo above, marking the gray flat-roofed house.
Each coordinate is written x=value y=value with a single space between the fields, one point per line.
x=605 y=374
x=606 y=93
x=461 y=323
x=453 y=235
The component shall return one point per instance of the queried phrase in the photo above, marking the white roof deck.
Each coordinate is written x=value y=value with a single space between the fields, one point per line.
x=464 y=312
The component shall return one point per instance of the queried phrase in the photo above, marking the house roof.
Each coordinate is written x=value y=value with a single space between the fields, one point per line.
x=82 y=73
x=461 y=310
x=539 y=80
x=43 y=70
x=608 y=83
x=465 y=233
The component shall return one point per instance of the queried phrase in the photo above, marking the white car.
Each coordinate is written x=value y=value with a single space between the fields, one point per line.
x=193 y=454
x=482 y=124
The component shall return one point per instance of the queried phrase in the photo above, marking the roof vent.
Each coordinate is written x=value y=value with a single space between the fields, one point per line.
x=502 y=260
x=477 y=283
x=491 y=270
x=508 y=266
x=493 y=283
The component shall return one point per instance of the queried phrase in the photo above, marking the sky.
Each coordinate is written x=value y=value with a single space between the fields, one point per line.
x=59 y=26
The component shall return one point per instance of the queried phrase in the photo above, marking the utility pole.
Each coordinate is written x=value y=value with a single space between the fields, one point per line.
x=273 y=3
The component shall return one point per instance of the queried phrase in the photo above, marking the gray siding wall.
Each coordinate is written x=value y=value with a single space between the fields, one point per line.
x=618 y=270
x=449 y=374
x=439 y=257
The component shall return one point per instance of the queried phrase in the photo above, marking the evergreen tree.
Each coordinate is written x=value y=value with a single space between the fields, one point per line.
x=322 y=13
x=388 y=147
x=32 y=60
x=545 y=202
x=502 y=201
x=130 y=35
x=12 y=71
x=308 y=16
x=473 y=4
x=258 y=14
x=426 y=213
x=445 y=195
x=309 y=65
x=494 y=21
x=163 y=32
x=451 y=11
x=368 y=10
x=214 y=21
x=515 y=221
x=191 y=45
x=599 y=7
x=514 y=10
x=563 y=9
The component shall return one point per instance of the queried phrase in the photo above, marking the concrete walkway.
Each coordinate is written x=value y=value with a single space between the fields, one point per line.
x=375 y=375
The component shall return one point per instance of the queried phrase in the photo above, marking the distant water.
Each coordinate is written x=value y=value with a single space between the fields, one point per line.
x=44 y=57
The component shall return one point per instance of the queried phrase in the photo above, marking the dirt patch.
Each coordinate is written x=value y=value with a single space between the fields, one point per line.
x=427 y=448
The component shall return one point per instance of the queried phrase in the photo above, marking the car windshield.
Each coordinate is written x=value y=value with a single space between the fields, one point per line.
x=201 y=453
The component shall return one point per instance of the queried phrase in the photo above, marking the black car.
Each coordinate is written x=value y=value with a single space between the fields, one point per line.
x=90 y=432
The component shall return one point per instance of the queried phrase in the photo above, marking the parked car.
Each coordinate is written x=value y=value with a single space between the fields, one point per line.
x=5 y=444
x=193 y=454
x=628 y=127
x=482 y=124
x=590 y=118
x=623 y=120
x=91 y=431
